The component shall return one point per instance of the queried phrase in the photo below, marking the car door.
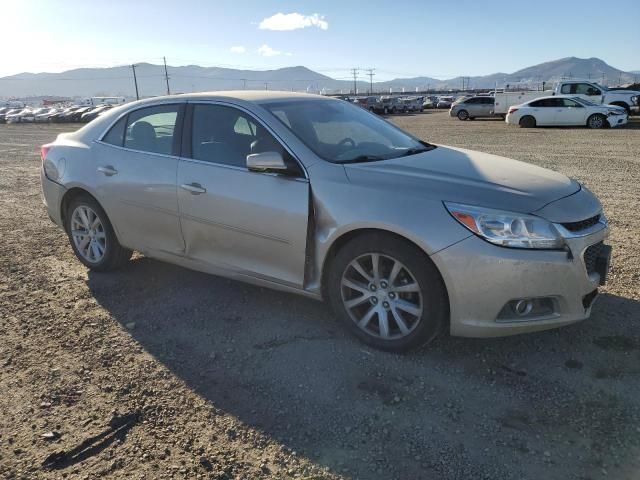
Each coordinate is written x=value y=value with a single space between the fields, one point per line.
x=252 y=223
x=589 y=92
x=136 y=164
x=569 y=112
x=487 y=106
x=540 y=110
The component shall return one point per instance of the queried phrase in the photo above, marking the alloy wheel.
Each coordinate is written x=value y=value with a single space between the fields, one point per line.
x=381 y=296
x=88 y=234
x=596 y=121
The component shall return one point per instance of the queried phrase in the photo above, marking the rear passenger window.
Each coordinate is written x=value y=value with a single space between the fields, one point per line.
x=151 y=129
x=115 y=136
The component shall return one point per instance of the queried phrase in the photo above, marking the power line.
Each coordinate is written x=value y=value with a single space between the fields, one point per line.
x=166 y=75
x=371 y=74
x=135 y=80
x=354 y=72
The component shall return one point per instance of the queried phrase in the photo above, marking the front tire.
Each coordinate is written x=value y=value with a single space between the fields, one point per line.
x=387 y=292
x=463 y=115
x=527 y=122
x=92 y=237
x=597 y=121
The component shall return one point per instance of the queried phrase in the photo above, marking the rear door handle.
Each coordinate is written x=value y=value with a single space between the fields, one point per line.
x=193 y=188
x=108 y=170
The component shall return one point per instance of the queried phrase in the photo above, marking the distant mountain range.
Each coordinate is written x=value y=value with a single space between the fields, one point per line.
x=86 y=82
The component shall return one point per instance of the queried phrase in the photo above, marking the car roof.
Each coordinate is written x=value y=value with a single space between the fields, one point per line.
x=256 y=96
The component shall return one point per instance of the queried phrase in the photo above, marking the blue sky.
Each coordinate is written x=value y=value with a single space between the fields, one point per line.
x=399 y=38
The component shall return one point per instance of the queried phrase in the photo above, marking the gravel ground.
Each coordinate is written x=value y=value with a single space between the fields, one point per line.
x=160 y=372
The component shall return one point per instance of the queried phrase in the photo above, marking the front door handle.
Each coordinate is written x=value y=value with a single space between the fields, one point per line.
x=193 y=188
x=109 y=171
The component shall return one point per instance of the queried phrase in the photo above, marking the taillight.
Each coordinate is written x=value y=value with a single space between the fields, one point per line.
x=513 y=110
x=44 y=150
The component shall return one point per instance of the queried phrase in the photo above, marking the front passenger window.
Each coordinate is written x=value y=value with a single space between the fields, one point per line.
x=226 y=135
x=151 y=129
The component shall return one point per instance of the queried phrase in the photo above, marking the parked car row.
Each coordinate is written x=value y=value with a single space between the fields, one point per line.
x=76 y=113
x=390 y=104
x=571 y=103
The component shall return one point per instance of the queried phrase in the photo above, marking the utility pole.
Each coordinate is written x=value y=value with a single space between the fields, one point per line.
x=266 y=85
x=166 y=75
x=371 y=74
x=244 y=83
x=354 y=72
x=135 y=80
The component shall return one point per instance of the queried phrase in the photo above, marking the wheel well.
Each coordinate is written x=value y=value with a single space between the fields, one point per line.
x=70 y=195
x=621 y=104
x=347 y=237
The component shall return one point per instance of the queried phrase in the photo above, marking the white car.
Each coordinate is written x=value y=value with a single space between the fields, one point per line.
x=565 y=110
x=25 y=114
x=43 y=116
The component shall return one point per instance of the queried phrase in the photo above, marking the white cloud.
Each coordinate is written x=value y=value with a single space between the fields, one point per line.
x=267 y=51
x=293 y=21
x=238 y=49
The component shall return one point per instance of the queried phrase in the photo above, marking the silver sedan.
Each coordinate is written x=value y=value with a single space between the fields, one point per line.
x=318 y=197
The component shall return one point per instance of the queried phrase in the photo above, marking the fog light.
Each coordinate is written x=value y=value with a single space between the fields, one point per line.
x=523 y=309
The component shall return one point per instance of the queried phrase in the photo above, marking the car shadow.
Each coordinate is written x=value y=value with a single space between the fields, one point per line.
x=282 y=364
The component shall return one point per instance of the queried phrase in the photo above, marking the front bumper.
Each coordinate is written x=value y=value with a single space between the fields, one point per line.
x=52 y=194
x=482 y=278
x=617 y=120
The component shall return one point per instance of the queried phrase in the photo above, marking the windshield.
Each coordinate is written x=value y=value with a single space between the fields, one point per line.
x=341 y=133
x=600 y=86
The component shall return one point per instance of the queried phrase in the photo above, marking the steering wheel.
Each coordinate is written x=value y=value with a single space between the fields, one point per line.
x=344 y=141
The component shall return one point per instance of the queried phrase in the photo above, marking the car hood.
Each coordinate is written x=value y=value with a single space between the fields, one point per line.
x=623 y=92
x=466 y=176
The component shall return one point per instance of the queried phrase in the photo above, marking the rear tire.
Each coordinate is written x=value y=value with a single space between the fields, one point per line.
x=527 y=122
x=92 y=237
x=407 y=291
x=463 y=115
x=597 y=120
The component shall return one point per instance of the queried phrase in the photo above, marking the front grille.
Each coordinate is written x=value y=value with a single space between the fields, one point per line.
x=591 y=255
x=582 y=224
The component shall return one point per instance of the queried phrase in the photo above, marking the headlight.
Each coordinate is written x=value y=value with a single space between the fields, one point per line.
x=634 y=99
x=508 y=229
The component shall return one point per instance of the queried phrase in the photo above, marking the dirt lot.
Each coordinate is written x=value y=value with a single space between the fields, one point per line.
x=160 y=372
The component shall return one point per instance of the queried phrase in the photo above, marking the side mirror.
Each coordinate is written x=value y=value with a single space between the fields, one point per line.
x=261 y=162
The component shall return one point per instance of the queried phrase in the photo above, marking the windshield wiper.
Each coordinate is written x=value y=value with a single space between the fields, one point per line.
x=364 y=158
x=412 y=151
